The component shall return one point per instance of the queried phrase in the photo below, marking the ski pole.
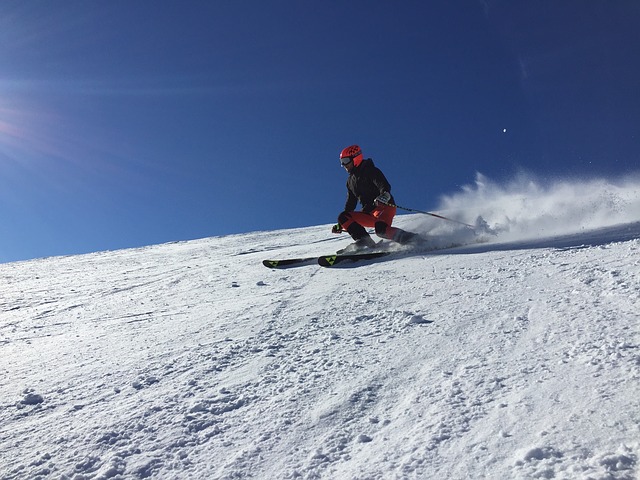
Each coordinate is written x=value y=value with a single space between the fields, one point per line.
x=432 y=214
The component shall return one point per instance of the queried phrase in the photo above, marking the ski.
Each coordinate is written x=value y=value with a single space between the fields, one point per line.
x=324 y=260
x=333 y=260
x=290 y=262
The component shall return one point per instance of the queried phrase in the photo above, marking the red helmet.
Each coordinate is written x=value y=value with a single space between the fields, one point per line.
x=351 y=153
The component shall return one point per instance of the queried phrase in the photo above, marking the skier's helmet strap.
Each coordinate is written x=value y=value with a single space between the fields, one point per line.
x=351 y=153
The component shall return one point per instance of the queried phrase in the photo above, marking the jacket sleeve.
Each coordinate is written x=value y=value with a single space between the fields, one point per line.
x=352 y=200
x=380 y=181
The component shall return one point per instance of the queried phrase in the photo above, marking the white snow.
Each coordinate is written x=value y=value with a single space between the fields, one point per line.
x=515 y=358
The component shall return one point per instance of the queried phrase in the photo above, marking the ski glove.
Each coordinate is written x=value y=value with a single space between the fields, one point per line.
x=337 y=228
x=383 y=198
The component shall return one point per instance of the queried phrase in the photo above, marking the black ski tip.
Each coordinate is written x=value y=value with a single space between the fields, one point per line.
x=289 y=262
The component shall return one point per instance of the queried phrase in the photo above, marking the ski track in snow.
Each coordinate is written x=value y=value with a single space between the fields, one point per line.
x=192 y=360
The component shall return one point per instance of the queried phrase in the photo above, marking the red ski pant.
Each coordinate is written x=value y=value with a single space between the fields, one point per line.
x=379 y=218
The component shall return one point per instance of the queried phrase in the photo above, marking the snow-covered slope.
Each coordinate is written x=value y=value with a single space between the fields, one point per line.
x=192 y=360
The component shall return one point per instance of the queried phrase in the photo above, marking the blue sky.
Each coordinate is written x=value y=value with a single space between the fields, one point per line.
x=125 y=123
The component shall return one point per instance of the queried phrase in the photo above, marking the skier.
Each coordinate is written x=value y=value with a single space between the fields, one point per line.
x=368 y=185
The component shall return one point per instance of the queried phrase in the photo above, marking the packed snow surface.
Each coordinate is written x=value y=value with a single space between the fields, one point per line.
x=517 y=357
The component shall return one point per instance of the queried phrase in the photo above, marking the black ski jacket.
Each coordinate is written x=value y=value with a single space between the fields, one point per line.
x=364 y=184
